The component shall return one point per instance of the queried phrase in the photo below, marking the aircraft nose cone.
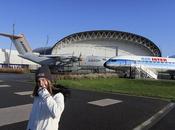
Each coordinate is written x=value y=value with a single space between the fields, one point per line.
x=105 y=64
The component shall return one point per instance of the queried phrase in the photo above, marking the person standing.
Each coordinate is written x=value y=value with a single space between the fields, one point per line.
x=48 y=104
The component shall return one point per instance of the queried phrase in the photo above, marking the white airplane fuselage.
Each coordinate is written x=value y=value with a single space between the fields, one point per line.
x=158 y=64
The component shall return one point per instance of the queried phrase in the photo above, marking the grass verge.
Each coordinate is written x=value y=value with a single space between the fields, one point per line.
x=151 y=88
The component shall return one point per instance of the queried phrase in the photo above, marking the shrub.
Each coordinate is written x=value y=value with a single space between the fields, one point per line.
x=14 y=70
x=84 y=76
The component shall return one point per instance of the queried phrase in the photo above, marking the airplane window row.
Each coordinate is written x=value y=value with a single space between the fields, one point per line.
x=156 y=62
x=132 y=62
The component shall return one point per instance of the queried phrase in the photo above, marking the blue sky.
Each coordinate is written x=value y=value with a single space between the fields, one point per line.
x=153 y=19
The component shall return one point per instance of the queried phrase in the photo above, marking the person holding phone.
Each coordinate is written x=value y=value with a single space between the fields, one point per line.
x=48 y=104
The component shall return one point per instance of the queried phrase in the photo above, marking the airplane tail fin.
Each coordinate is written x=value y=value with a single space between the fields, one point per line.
x=20 y=43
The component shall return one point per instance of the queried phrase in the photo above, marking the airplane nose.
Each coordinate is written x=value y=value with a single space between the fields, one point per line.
x=104 y=64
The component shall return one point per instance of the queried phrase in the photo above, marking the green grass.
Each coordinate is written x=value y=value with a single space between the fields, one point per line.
x=150 y=88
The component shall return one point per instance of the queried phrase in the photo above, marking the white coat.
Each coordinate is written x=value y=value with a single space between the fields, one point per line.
x=46 y=111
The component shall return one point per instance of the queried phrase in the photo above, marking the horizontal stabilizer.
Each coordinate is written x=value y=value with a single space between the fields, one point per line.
x=10 y=36
x=20 y=43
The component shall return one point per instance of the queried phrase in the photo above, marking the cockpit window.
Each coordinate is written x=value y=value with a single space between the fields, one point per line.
x=113 y=60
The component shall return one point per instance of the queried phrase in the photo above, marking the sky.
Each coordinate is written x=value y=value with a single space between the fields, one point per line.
x=55 y=19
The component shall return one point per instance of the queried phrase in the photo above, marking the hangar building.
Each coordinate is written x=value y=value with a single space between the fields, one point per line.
x=106 y=43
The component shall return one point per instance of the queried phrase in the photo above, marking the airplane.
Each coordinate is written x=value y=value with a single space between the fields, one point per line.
x=36 y=55
x=147 y=64
x=43 y=56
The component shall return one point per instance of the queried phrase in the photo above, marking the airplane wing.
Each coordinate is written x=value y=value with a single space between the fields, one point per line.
x=37 y=59
x=64 y=57
x=50 y=59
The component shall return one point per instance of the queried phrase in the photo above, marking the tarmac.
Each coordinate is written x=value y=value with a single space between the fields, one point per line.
x=84 y=110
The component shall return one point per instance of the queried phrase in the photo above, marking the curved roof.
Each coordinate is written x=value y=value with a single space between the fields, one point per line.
x=111 y=35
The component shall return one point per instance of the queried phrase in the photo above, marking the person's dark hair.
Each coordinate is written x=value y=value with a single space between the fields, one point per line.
x=54 y=89
x=44 y=72
x=59 y=88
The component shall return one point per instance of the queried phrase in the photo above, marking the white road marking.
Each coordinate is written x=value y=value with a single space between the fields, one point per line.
x=11 y=115
x=155 y=118
x=24 y=93
x=4 y=86
x=105 y=102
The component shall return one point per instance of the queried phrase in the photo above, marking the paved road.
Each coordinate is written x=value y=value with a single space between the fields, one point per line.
x=121 y=112
x=167 y=123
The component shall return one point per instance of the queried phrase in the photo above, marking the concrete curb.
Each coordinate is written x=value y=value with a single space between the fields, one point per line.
x=155 y=118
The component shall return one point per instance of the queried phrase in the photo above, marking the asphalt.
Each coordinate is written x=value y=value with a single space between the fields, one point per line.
x=167 y=123
x=80 y=115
